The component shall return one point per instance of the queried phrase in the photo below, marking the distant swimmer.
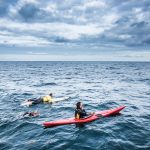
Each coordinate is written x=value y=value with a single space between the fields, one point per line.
x=30 y=114
x=44 y=99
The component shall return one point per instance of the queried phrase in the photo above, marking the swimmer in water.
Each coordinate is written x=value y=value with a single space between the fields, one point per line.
x=44 y=99
x=30 y=114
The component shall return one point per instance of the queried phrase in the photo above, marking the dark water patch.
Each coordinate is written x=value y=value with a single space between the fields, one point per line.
x=146 y=80
x=15 y=80
x=7 y=128
x=109 y=104
x=119 y=145
x=27 y=94
x=91 y=82
x=147 y=93
x=118 y=73
x=128 y=80
x=14 y=94
x=46 y=84
x=116 y=90
x=135 y=108
x=69 y=73
x=112 y=68
x=68 y=78
x=5 y=145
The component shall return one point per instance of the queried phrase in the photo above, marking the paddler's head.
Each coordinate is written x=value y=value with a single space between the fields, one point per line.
x=51 y=94
x=79 y=105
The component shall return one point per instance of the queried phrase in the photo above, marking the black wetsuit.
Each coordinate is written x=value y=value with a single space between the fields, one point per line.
x=29 y=114
x=36 y=100
x=80 y=113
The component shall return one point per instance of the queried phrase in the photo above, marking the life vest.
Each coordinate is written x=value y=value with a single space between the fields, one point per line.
x=80 y=113
x=47 y=99
x=77 y=116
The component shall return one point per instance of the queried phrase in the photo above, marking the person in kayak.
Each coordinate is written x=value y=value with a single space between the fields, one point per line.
x=30 y=114
x=79 y=111
x=44 y=99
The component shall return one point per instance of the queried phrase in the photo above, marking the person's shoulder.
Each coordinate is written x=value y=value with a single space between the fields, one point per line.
x=78 y=110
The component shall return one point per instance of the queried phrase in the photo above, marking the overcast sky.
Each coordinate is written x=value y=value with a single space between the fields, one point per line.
x=75 y=30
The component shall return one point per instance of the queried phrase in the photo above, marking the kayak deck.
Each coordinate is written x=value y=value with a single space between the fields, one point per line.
x=90 y=118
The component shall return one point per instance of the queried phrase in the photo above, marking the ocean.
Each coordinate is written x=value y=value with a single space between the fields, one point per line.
x=98 y=85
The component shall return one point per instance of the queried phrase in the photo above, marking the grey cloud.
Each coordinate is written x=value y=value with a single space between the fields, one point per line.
x=4 y=6
x=3 y=10
x=124 y=22
x=61 y=40
x=133 y=21
x=147 y=41
x=28 y=11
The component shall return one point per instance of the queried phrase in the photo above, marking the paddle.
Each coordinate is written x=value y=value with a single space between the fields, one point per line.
x=99 y=115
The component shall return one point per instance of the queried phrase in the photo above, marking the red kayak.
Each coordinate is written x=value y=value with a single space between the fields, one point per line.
x=90 y=118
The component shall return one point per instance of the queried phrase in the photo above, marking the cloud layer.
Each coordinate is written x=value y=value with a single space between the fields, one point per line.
x=53 y=22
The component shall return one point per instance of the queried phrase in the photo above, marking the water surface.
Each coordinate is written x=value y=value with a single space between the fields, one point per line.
x=99 y=85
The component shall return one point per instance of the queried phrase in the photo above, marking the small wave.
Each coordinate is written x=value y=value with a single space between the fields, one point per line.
x=46 y=84
x=112 y=68
x=68 y=78
x=52 y=83
x=17 y=80
x=146 y=80
x=88 y=82
x=108 y=104
x=27 y=94
x=5 y=145
x=134 y=107
x=128 y=80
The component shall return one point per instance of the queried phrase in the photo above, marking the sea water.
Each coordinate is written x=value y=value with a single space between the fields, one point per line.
x=98 y=85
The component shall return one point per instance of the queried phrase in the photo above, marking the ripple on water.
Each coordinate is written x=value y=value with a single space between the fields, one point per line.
x=99 y=85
